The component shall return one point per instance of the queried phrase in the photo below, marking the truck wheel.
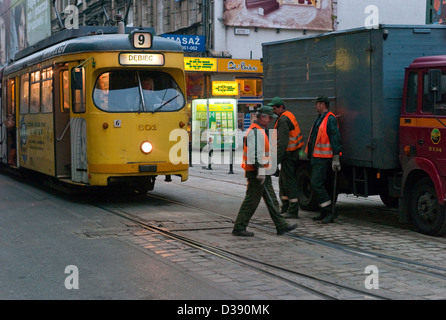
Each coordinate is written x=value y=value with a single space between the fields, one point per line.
x=306 y=196
x=428 y=215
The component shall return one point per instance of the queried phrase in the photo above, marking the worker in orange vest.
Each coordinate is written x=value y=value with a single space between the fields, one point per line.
x=259 y=164
x=324 y=149
x=289 y=142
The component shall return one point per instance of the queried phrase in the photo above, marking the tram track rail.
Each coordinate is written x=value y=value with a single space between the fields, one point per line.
x=279 y=272
x=430 y=270
x=426 y=269
x=385 y=258
x=268 y=269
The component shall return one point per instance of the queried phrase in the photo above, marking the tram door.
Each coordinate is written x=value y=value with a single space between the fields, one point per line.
x=62 y=122
x=9 y=137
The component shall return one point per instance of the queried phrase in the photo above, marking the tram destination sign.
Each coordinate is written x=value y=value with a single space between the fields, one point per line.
x=141 y=59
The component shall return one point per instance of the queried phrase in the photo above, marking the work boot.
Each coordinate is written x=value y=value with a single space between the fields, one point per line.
x=329 y=218
x=285 y=205
x=286 y=229
x=293 y=211
x=321 y=216
x=242 y=233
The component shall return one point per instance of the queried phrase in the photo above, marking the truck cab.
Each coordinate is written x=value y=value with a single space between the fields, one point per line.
x=422 y=139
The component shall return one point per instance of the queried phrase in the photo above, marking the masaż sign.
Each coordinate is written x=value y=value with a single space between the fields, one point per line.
x=189 y=43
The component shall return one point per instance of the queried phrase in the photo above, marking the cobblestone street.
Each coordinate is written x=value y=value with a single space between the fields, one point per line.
x=313 y=262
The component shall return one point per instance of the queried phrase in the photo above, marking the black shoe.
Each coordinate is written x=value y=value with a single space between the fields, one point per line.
x=242 y=233
x=287 y=228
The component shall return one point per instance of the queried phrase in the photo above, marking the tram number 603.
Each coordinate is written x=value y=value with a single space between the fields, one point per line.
x=147 y=127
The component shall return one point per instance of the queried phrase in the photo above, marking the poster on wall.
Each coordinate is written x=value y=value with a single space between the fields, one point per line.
x=22 y=23
x=439 y=12
x=279 y=14
x=38 y=20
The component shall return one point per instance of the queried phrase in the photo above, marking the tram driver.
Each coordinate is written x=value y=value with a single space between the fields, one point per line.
x=151 y=98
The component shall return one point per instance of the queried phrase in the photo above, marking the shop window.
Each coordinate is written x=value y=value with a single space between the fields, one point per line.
x=195 y=85
x=250 y=87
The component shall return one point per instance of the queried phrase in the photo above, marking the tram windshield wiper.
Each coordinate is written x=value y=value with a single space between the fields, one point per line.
x=141 y=96
x=167 y=102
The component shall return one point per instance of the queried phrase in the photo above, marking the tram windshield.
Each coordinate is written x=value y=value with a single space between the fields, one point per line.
x=137 y=91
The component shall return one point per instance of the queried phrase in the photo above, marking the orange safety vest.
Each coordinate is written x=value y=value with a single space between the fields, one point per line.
x=295 y=137
x=322 y=146
x=250 y=166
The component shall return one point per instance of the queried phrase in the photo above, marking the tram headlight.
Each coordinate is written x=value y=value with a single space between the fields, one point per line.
x=146 y=147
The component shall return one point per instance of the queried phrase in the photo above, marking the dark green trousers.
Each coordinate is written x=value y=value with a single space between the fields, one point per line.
x=320 y=173
x=254 y=192
x=288 y=182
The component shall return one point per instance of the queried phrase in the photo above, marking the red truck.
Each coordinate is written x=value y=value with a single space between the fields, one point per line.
x=387 y=87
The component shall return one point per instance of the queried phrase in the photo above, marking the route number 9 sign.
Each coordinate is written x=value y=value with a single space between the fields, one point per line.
x=142 y=40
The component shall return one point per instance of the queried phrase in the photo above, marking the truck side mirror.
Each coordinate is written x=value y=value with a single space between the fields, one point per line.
x=434 y=83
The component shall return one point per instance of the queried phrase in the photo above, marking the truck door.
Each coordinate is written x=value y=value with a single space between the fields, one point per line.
x=431 y=130
x=352 y=57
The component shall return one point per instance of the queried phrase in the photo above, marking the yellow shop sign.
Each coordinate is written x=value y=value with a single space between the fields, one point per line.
x=240 y=65
x=200 y=64
x=224 y=88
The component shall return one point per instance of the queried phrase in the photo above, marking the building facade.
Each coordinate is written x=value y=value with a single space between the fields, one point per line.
x=222 y=39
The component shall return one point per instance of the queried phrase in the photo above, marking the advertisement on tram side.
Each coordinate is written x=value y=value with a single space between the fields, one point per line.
x=36 y=145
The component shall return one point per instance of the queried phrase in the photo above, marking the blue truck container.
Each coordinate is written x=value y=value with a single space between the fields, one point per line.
x=362 y=72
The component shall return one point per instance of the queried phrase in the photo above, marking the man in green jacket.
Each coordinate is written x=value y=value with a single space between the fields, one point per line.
x=324 y=150
x=258 y=165
x=289 y=143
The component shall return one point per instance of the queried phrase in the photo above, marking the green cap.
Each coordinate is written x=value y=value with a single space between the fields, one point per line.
x=323 y=99
x=276 y=101
x=267 y=110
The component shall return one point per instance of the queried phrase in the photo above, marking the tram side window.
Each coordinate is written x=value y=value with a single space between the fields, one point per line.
x=78 y=90
x=24 y=94
x=34 y=106
x=10 y=96
x=47 y=90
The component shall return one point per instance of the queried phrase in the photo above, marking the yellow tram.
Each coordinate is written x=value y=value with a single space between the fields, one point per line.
x=97 y=109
